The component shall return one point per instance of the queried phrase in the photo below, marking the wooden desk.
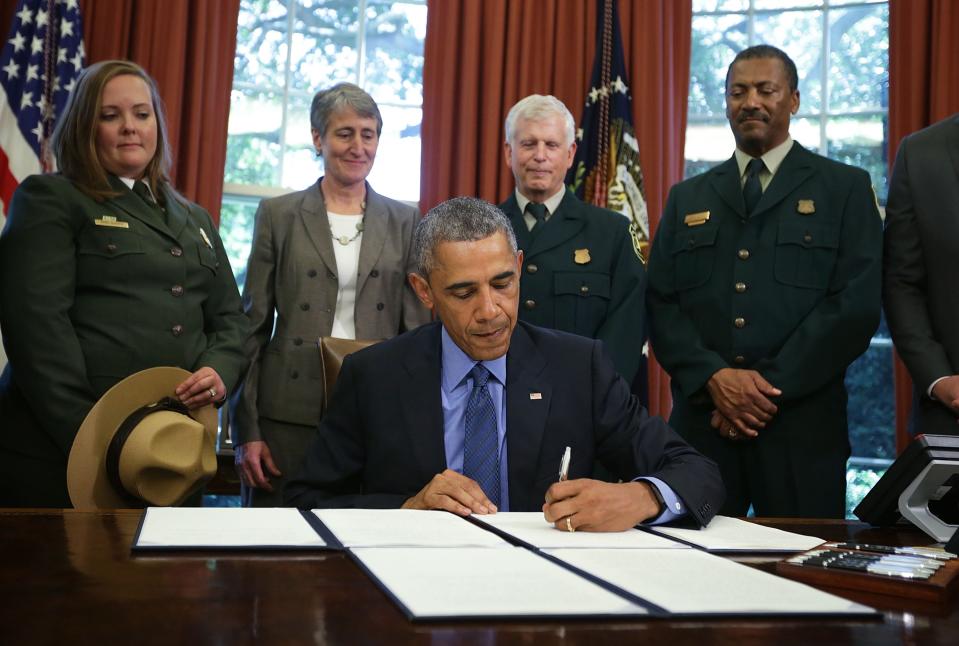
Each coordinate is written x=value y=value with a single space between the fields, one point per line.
x=69 y=578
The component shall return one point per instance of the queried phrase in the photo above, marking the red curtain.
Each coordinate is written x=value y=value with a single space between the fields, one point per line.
x=482 y=57
x=188 y=47
x=923 y=89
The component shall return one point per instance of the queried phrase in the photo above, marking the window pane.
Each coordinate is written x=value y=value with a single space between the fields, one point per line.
x=707 y=144
x=799 y=34
x=300 y=168
x=859 y=59
x=396 y=172
x=236 y=231
x=720 y=5
x=786 y=4
x=253 y=145
x=806 y=132
x=394 y=51
x=861 y=141
x=324 y=50
x=261 y=44
x=715 y=41
x=871 y=407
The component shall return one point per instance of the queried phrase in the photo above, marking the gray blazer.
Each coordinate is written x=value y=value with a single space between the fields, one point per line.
x=920 y=263
x=291 y=277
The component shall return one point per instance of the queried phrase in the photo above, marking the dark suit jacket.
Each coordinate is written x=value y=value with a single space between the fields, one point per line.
x=381 y=440
x=602 y=298
x=922 y=261
x=290 y=298
x=91 y=292
x=808 y=262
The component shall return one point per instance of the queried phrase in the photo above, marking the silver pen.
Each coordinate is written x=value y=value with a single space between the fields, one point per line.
x=564 y=465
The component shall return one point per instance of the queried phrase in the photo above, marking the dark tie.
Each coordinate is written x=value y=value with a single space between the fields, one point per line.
x=481 y=449
x=753 y=189
x=538 y=211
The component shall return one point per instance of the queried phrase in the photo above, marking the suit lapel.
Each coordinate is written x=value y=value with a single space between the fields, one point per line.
x=422 y=406
x=528 y=395
x=176 y=214
x=312 y=215
x=561 y=226
x=725 y=181
x=375 y=224
x=795 y=169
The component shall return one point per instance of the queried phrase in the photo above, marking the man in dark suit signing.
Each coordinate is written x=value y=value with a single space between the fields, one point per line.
x=581 y=273
x=920 y=263
x=764 y=285
x=472 y=414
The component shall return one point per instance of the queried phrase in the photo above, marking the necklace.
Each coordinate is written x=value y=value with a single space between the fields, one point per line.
x=343 y=240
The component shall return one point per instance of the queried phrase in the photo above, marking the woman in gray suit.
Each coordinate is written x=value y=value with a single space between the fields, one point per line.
x=330 y=260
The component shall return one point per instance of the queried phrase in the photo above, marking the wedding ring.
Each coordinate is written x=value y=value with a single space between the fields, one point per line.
x=732 y=433
x=569 y=525
x=212 y=393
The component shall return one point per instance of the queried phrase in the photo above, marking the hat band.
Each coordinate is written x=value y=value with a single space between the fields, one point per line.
x=115 y=450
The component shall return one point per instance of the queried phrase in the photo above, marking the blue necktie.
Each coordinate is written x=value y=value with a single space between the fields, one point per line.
x=753 y=188
x=481 y=450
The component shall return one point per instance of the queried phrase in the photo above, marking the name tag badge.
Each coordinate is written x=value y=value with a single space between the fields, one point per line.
x=806 y=207
x=111 y=221
x=206 y=238
x=581 y=256
x=696 y=219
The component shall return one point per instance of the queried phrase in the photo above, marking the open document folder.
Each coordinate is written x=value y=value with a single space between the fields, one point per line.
x=165 y=528
x=725 y=534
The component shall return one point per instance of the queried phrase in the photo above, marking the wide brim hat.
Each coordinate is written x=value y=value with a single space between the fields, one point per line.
x=159 y=456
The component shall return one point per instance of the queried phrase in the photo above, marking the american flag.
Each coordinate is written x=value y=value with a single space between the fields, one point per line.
x=606 y=170
x=39 y=65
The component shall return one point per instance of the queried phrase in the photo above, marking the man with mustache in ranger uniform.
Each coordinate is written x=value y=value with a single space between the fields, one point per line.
x=764 y=285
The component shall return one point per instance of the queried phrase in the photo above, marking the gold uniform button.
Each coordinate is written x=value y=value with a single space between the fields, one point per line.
x=739 y=359
x=177 y=330
x=177 y=290
x=176 y=252
x=740 y=322
x=807 y=238
x=529 y=304
x=740 y=288
x=531 y=269
x=584 y=289
x=743 y=254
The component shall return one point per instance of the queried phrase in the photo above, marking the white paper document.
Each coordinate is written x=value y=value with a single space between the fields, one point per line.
x=725 y=534
x=694 y=582
x=531 y=527
x=438 y=583
x=204 y=527
x=404 y=527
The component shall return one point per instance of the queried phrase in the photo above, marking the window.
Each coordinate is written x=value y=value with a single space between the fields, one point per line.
x=841 y=50
x=286 y=51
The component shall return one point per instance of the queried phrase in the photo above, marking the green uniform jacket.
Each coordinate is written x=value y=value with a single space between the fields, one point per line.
x=792 y=292
x=93 y=292
x=581 y=275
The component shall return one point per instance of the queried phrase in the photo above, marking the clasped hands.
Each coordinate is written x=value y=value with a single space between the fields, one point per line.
x=742 y=400
x=590 y=505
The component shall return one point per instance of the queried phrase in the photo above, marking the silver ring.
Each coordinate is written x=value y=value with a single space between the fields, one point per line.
x=212 y=392
x=569 y=525
x=732 y=433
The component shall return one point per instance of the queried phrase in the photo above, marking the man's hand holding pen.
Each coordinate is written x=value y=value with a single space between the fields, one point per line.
x=596 y=506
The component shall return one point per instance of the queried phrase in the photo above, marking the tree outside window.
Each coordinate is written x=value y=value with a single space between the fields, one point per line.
x=841 y=50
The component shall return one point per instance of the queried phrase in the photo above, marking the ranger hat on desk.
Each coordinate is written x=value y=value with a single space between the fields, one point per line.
x=140 y=446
